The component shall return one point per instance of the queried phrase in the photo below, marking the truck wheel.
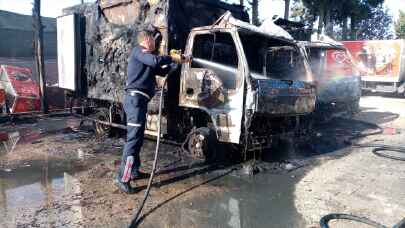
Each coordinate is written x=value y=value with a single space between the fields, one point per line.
x=102 y=129
x=202 y=144
x=354 y=107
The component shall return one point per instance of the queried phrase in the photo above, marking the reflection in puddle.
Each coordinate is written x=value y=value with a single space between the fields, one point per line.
x=233 y=208
x=31 y=195
x=72 y=187
x=9 y=141
x=12 y=135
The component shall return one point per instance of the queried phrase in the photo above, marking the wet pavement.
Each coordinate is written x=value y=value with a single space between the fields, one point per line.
x=265 y=200
x=37 y=190
x=58 y=175
x=31 y=187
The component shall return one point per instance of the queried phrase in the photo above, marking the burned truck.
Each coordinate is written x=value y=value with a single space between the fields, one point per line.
x=243 y=86
x=338 y=82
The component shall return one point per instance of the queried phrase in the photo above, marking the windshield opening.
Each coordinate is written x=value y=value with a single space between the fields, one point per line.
x=327 y=63
x=273 y=58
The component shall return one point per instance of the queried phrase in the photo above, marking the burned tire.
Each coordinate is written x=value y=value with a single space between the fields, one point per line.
x=102 y=129
x=202 y=143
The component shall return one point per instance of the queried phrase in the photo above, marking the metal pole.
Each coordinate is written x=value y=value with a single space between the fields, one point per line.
x=39 y=54
x=286 y=9
x=255 y=12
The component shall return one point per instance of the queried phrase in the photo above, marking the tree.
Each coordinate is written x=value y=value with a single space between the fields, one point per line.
x=400 y=26
x=255 y=12
x=377 y=26
x=359 y=11
x=302 y=14
x=286 y=9
x=341 y=11
x=323 y=9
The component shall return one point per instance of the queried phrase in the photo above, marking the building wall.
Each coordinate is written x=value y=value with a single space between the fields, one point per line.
x=19 y=43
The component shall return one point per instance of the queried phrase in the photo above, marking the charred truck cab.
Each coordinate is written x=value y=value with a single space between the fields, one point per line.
x=243 y=87
x=338 y=81
x=250 y=84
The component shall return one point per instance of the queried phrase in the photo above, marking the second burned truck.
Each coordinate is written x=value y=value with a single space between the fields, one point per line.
x=244 y=85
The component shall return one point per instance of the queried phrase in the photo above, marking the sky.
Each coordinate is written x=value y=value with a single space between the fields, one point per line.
x=49 y=8
x=53 y=8
x=269 y=8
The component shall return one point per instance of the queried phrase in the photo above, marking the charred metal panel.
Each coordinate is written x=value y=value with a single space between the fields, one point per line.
x=341 y=90
x=284 y=97
x=203 y=88
x=108 y=45
x=120 y=12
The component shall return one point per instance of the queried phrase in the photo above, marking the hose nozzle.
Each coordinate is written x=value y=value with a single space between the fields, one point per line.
x=179 y=57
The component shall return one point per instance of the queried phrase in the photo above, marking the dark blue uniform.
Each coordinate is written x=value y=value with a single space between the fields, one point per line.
x=140 y=88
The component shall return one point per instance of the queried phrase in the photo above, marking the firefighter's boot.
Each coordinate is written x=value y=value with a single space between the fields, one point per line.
x=125 y=187
x=138 y=175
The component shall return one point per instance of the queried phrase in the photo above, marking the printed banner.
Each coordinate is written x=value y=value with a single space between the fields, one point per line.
x=376 y=58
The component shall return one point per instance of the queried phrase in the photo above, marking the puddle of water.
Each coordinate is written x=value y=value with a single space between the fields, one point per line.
x=265 y=200
x=30 y=133
x=27 y=190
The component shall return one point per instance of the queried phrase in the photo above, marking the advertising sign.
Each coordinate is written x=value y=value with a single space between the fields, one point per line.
x=22 y=93
x=338 y=63
x=379 y=58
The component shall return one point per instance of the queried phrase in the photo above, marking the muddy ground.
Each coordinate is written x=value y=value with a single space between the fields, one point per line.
x=59 y=175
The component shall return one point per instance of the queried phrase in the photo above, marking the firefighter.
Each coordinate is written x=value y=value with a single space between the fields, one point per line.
x=143 y=65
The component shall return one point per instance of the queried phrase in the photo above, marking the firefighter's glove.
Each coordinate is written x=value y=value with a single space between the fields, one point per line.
x=178 y=57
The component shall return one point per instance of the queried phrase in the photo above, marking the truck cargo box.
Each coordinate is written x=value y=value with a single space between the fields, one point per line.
x=108 y=33
x=381 y=63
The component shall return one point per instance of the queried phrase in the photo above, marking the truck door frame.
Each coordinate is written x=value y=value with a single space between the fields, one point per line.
x=227 y=121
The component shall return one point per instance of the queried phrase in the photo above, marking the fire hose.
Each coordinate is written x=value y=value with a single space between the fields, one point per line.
x=135 y=220
x=377 y=150
x=325 y=220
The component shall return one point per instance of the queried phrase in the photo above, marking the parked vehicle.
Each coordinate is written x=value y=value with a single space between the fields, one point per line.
x=243 y=87
x=381 y=64
x=20 y=92
x=338 y=82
